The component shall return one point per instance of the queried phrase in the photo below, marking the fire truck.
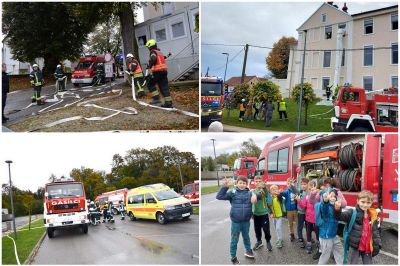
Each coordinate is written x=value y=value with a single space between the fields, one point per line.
x=358 y=110
x=212 y=99
x=244 y=167
x=85 y=72
x=113 y=196
x=354 y=162
x=65 y=206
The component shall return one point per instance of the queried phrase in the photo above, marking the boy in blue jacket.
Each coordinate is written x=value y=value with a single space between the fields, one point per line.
x=328 y=225
x=291 y=205
x=241 y=199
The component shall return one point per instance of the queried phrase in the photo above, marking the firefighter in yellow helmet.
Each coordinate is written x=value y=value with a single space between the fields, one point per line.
x=136 y=71
x=158 y=67
x=282 y=107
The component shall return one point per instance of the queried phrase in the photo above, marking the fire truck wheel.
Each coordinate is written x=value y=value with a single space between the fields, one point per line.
x=360 y=129
x=50 y=232
x=85 y=228
x=161 y=218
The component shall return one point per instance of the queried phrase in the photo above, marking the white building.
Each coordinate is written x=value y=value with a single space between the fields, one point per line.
x=172 y=25
x=361 y=49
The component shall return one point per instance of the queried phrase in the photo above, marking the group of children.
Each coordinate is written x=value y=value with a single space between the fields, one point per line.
x=318 y=207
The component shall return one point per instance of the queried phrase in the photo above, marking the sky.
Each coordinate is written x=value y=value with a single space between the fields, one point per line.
x=255 y=23
x=36 y=156
x=231 y=142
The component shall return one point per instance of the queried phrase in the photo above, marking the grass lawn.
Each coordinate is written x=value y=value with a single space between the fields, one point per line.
x=195 y=210
x=315 y=124
x=26 y=241
x=208 y=190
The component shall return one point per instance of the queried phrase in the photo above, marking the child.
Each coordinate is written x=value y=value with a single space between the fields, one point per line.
x=364 y=238
x=277 y=209
x=328 y=183
x=301 y=216
x=328 y=225
x=291 y=205
x=241 y=199
x=242 y=108
x=308 y=203
x=260 y=214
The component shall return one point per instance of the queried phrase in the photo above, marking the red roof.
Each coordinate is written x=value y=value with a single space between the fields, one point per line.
x=236 y=81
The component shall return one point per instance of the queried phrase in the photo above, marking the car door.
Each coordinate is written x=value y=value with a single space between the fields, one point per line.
x=151 y=206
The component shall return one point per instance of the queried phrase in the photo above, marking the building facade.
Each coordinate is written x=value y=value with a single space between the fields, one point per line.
x=360 y=49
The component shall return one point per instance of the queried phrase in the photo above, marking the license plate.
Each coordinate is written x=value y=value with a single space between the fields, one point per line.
x=186 y=214
x=78 y=81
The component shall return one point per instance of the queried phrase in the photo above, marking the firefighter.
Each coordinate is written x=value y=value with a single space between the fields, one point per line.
x=105 y=212
x=61 y=78
x=136 y=71
x=37 y=83
x=328 y=92
x=282 y=109
x=100 y=73
x=158 y=76
x=5 y=84
x=269 y=109
x=122 y=209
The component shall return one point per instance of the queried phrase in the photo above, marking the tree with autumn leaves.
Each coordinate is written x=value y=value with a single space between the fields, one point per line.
x=307 y=97
x=278 y=59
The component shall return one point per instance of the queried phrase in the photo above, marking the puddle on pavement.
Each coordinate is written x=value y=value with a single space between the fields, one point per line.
x=153 y=246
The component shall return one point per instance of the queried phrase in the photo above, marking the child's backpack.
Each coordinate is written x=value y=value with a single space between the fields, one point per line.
x=346 y=231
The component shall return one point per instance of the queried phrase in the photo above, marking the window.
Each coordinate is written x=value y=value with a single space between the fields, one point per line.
x=248 y=164
x=278 y=161
x=325 y=83
x=394 y=21
x=395 y=53
x=260 y=167
x=395 y=82
x=367 y=83
x=328 y=32
x=142 y=40
x=138 y=199
x=187 y=189
x=368 y=55
x=343 y=56
x=178 y=30
x=236 y=165
x=196 y=187
x=327 y=58
x=387 y=115
x=161 y=35
x=149 y=198
x=323 y=17
x=368 y=26
x=341 y=25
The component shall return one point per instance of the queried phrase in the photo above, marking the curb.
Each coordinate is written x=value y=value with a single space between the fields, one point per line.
x=29 y=259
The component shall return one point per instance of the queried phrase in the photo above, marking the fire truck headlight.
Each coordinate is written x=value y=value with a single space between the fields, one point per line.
x=344 y=110
x=50 y=221
x=87 y=75
x=50 y=211
x=220 y=113
x=82 y=209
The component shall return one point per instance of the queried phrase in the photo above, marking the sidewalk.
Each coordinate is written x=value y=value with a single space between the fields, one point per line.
x=228 y=128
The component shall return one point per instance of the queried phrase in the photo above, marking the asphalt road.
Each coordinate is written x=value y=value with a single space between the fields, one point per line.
x=22 y=221
x=18 y=105
x=215 y=238
x=124 y=242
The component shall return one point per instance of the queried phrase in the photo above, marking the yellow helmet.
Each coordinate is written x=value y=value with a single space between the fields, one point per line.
x=151 y=43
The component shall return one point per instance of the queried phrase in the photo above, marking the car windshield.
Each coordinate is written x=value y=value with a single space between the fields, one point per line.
x=166 y=195
x=211 y=89
x=83 y=65
x=64 y=191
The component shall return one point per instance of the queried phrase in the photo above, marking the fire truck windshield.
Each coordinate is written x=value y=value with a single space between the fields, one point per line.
x=83 y=65
x=211 y=89
x=64 y=191
x=166 y=195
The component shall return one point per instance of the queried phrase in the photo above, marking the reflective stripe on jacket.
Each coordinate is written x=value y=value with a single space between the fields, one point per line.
x=36 y=78
x=160 y=64
x=137 y=72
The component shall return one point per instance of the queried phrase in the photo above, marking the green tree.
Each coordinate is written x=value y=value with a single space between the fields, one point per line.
x=266 y=91
x=278 y=59
x=27 y=202
x=308 y=96
x=209 y=164
x=231 y=158
x=240 y=92
x=249 y=149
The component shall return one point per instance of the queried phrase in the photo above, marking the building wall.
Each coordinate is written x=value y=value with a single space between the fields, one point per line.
x=382 y=68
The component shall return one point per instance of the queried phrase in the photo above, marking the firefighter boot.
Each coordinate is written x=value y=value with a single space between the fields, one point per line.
x=140 y=94
x=167 y=104
x=156 y=100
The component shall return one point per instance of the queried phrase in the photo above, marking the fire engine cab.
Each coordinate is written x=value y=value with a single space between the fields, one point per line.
x=113 y=196
x=212 y=99
x=354 y=162
x=244 y=167
x=65 y=206
x=358 y=110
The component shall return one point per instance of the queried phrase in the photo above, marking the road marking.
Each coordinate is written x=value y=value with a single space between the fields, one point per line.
x=388 y=254
x=15 y=249
x=167 y=235
x=223 y=221
x=195 y=256
x=212 y=201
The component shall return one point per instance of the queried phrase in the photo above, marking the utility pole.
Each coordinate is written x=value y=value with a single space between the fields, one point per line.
x=226 y=65
x=302 y=82
x=215 y=156
x=246 y=49
x=11 y=196
x=180 y=172
x=208 y=68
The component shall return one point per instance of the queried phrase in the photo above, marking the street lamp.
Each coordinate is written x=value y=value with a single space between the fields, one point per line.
x=226 y=65
x=215 y=156
x=11 y=196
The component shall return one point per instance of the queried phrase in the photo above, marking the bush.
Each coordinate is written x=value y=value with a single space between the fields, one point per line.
x=240 y=92
x=266 y=91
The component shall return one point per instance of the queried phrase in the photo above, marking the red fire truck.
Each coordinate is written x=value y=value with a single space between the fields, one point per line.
x=212 y=99
x=191 y=192
x=244 y=167
x=355 y=162
x=358 y=110
x=65 y=206
x=85 y=72
x=113 y=196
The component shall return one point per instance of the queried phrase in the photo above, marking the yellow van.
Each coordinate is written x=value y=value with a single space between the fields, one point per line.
x=158 y=202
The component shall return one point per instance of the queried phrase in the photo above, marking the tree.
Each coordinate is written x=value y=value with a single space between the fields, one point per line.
x=27 y=201
x=308 y=96
x=53 y=31
x=249 y=149
x=278 y=59
x=266 y=91
x=240 y=92
x=231 y=159
x=209 y=164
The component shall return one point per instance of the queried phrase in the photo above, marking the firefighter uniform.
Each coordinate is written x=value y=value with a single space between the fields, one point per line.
x=37 y=83
x=136 y=71
x=282 y=109
x=61 y=79
x=159 y=69
x=100 y=73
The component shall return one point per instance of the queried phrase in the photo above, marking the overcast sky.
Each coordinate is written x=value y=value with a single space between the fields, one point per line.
x=231 y=142
x=36 y=156
x=257 y=24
